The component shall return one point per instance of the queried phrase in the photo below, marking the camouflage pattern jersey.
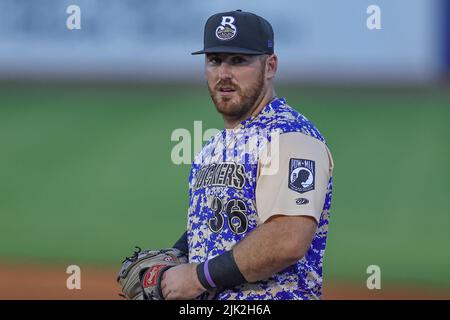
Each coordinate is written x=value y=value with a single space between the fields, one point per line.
x=222 y=206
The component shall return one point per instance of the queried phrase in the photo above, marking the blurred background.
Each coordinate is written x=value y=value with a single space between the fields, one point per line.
x=86 y=117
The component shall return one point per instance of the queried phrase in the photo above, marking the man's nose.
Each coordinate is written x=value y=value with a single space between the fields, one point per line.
x=225 y=71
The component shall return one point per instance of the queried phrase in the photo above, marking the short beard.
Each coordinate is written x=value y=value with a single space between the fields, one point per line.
x=247 y=99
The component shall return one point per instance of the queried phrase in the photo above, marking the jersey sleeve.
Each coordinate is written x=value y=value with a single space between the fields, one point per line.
x=293 y=175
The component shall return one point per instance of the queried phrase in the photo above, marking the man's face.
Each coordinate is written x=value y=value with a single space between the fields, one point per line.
x=235 y=82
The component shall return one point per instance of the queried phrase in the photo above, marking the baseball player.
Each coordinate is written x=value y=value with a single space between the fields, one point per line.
x=260 y=190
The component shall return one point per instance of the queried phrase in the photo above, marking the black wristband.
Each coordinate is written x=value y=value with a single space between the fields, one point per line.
x=182 y=244
x=220 y=272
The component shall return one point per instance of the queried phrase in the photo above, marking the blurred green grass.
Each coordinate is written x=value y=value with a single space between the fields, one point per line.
x=86 y=174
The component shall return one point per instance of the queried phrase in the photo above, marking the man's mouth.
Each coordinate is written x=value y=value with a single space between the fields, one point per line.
x=225 y=91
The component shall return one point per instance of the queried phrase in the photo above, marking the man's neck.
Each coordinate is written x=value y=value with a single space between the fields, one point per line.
x=259 y=105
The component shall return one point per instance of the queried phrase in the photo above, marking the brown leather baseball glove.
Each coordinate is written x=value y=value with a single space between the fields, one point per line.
x=140 y=275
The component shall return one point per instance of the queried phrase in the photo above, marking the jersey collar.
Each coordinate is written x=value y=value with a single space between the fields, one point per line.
x=273 y=105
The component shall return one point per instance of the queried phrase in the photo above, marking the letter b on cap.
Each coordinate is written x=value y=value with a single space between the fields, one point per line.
x=228 y=21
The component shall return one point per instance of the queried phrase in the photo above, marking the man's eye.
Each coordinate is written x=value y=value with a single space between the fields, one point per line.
x=215 y=61
x=237 y=60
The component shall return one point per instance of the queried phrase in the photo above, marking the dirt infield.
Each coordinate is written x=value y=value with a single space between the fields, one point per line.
x=98 y=283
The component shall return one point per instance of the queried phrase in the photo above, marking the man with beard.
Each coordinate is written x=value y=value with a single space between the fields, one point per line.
x=253 y=231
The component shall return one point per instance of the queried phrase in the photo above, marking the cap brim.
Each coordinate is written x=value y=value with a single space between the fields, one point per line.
x=228 y=49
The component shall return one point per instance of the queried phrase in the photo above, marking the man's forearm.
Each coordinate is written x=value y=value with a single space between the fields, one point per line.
x=267 y=250
x=274 y=246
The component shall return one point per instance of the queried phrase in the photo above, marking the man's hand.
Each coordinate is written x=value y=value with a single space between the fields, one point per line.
x=181 y=283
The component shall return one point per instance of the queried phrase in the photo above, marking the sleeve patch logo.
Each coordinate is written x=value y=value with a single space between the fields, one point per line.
x=301 y=175
x=301 y=201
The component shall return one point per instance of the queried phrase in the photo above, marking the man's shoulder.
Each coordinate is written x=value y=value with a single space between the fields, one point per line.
x=286 y=119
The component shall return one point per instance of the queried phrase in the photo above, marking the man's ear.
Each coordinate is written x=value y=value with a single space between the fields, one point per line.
x=271 y=66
